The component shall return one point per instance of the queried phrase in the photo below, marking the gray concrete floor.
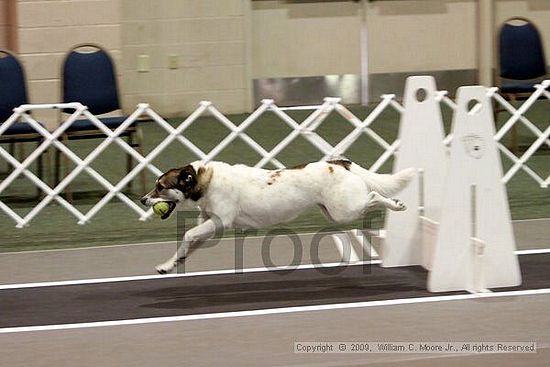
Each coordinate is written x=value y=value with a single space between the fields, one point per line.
x=117 y=261
x=269 y=340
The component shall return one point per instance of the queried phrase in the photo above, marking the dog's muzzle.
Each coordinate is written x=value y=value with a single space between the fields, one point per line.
x=171 y=206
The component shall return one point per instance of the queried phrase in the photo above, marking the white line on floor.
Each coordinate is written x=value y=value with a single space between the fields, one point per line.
x=175 y=242
x=273 y=311
x=531 y=220
x=213 y=272
x=160 y=243
x=182 y=275
x=535 y=251
x=90 y=248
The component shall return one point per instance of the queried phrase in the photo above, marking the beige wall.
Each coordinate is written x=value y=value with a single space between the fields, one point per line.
x=320 y=38
x=292 y=39
x=221 y=46
x=416 y=36
x=305 y=38
x=538 y=11
x=209 y=40
x=48 y=29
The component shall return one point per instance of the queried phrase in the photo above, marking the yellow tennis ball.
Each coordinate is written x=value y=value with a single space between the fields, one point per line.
x=161 y=208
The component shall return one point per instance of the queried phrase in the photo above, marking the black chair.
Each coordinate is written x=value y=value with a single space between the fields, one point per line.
x=88 y=76
x=521 y=62
x=13 y=93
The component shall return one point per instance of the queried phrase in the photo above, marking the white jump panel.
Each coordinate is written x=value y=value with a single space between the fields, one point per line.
x=475 y=205
x=421 y=146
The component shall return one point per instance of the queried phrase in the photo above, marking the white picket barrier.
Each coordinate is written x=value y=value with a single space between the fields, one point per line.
x=306 y=129
x=517 y=117
x=81 y=165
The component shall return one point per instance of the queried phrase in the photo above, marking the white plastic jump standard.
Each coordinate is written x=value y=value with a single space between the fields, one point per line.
x=474 y=231
x=421 y=146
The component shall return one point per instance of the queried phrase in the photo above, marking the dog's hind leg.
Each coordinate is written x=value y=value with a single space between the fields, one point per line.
x=374 y=199
x=345 y=209
x=326 y=213
x=191 y=240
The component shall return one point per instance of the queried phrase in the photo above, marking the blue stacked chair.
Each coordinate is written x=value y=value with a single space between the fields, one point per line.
x=522 y=63
x=13 y=93
x=88 y=76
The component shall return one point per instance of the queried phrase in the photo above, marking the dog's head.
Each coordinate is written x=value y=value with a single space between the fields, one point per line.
x=178 y=185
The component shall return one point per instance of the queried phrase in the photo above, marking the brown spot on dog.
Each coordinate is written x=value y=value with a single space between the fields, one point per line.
x=341 y=162
x=277 y=173
x=169 y=180
x=330 y=169
x=300 y=166
x=273 y=177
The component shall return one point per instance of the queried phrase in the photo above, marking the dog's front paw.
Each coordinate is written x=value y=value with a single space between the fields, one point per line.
x=165 y=268
x=399 y=205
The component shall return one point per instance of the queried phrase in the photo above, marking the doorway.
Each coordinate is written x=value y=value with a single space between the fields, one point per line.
x=8 y=25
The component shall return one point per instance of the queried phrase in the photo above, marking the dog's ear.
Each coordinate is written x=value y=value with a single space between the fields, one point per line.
x=187 y=178
x=194 y=183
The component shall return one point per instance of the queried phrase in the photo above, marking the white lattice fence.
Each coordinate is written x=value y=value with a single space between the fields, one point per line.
x=306 y=129
x=517 y=117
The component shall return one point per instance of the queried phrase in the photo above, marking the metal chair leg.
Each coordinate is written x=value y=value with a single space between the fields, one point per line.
x=48 y=166
x=68 y=192
x=40 y=171
x=57 y=166
x=514 y=134
x=143 y=173
x=21 y=147
x=11 y=151
x=129 y=160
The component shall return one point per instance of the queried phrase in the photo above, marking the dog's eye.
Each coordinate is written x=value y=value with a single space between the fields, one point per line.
x=188 y=179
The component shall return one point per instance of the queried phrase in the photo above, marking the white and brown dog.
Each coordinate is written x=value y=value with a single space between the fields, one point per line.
x=244 y=196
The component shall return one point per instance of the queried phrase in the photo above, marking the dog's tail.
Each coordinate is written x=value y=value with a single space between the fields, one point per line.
x=384 y=184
